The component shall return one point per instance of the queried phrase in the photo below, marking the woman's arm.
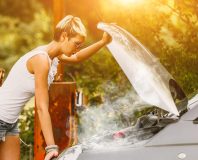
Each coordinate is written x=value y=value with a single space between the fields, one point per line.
x=40 y=67
x=86 y=52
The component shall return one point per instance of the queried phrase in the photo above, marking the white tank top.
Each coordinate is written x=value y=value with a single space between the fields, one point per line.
x=19 y=86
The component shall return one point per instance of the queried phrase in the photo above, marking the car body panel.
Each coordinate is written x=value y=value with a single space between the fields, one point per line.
x=144 y=153
x=179 y=139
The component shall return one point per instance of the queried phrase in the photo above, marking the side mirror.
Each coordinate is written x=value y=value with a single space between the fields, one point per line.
x=81 y=101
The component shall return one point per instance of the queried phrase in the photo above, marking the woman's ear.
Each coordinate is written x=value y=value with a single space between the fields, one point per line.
x=63 y=36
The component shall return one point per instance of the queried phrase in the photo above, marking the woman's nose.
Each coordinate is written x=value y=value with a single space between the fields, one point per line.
x=77 y=49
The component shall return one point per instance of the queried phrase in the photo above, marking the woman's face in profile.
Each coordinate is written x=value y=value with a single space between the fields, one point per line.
x=72 y=45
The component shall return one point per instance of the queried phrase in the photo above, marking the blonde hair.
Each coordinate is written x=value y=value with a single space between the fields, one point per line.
x=71 y=25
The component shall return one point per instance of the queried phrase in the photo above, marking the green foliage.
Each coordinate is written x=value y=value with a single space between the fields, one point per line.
x=18 y=37
x=26 y=125
x=17 y=9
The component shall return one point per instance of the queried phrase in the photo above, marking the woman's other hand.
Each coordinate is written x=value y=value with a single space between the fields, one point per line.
x=51 y=155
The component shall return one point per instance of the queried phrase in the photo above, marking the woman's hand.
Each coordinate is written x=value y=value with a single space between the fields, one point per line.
x=51 y=155
x=106 y=38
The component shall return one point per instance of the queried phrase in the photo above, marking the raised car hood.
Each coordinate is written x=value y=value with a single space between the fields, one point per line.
x=148 y=77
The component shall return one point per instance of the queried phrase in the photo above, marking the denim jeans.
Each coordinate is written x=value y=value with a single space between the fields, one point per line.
x=8 y=129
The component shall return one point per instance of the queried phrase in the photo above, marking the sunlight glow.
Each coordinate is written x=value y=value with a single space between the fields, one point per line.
x=126 y=2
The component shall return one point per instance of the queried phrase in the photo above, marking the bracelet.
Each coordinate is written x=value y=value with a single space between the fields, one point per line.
x=51 y=148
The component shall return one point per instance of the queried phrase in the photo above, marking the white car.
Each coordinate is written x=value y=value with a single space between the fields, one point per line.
x=171 y=136
x=170 y=139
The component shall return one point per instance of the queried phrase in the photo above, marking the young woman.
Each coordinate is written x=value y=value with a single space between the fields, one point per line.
x=31 y=75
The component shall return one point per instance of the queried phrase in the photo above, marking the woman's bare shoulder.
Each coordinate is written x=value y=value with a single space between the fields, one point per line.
x=39 y=62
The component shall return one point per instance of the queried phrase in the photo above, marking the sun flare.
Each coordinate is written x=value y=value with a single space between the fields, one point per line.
x=126 y=2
